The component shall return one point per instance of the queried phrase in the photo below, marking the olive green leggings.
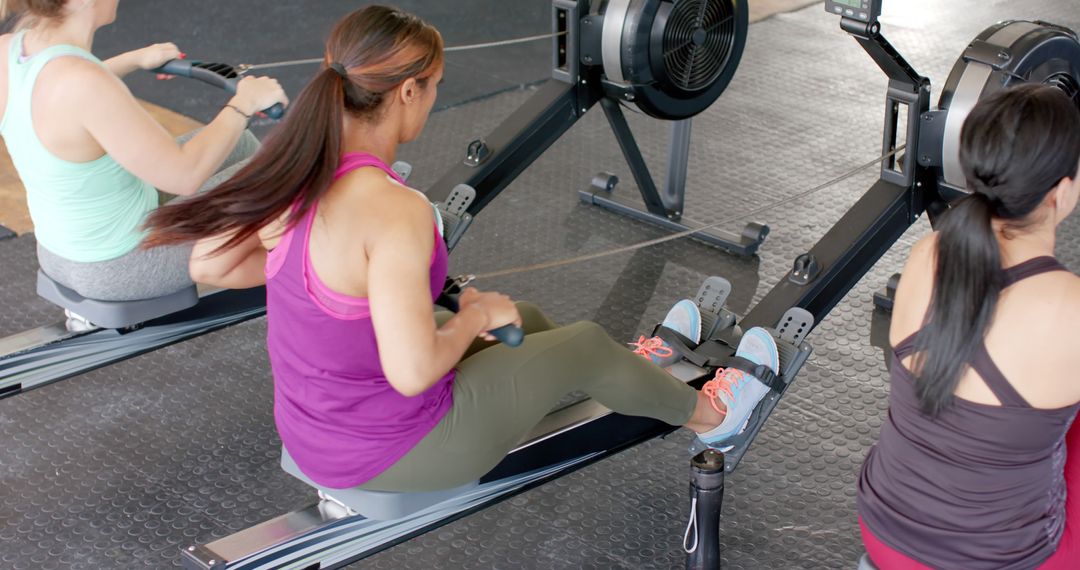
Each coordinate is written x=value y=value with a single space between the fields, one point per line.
x=501 y=393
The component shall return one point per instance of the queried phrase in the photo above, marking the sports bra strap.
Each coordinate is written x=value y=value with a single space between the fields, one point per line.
x=906 y=347
x=981 y=361
x=354 y=160
x=995 y=380
x=1031 y=268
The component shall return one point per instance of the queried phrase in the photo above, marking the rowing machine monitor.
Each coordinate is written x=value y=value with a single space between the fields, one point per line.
x=866 y=11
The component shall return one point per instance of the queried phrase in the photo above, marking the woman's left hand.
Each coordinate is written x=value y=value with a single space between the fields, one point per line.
x=151 y=57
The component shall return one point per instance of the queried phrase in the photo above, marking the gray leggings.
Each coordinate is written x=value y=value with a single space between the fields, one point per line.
x=501 y=393
x=141 y=273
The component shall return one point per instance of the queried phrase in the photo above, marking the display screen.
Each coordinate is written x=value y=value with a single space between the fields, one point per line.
x=862 y=10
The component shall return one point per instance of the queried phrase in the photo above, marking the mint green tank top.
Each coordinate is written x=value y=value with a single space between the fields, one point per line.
x=82 y=211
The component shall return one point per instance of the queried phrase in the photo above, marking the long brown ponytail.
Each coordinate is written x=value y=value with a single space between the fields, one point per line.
x=378 y=48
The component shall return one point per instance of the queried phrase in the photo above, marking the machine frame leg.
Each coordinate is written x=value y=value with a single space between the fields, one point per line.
x=663 y=207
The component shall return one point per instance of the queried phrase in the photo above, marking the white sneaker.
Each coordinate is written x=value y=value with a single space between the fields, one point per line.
x=683 y=318
x=738 y=391
x=77 y=323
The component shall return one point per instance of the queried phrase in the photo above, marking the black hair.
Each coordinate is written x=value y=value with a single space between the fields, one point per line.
x=1015 y=147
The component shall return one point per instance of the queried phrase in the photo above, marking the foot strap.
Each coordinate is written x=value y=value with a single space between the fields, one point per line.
x=760 y=371
x=681 y=344
x=685 y=348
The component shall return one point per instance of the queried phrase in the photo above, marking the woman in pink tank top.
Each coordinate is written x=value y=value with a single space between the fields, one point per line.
x=372 y=385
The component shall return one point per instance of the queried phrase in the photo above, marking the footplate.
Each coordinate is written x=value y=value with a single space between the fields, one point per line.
x=455 y=216
x=710 y=299
x=789 y=334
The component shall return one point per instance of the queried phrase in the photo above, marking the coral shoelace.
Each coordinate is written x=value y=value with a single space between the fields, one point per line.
x=649 y=347
x=726 y=380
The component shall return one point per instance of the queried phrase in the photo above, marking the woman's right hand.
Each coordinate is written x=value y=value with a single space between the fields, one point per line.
x=498 y=309
x=254 y=94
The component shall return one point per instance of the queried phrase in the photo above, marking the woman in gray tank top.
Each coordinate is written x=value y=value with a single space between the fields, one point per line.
x=972 y=469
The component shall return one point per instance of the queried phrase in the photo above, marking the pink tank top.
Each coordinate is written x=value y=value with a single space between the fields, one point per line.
x=338 y=416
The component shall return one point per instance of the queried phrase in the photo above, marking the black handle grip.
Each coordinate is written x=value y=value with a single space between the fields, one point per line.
x=178 y=67
x=277 y=111
x=510 y=335
x=207 y=74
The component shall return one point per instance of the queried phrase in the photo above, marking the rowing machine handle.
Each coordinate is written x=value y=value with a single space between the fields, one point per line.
x=509 y=335
x=190 y=69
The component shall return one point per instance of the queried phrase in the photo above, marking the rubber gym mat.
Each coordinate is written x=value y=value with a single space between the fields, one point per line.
x=123 y=466
x=20 y=307
x=250 y=31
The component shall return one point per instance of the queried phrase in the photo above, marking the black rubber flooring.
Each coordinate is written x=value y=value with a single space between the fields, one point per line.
x=20 y=307
x=121 y=467
x=256 y=32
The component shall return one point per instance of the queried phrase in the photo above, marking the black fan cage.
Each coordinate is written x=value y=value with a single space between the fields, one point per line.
x=699 y=38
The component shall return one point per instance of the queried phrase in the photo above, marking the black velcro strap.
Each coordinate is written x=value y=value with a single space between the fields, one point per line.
x=682 y=345
x=760 y=371
x=686 y=348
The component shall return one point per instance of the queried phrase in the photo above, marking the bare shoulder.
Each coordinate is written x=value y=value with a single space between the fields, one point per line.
x=69 y=77
x=1071 y=298
x=1048 y=303
x=915 y=289
x=76 y=67
x=918 y=273
x=1047 y=312
x=924 y=251
x=371 y=195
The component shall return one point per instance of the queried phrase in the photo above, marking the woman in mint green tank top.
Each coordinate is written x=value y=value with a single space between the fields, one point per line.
x=91 y=157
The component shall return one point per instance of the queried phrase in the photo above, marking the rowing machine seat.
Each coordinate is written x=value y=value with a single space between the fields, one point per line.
x=115 y=314
x=377 y=505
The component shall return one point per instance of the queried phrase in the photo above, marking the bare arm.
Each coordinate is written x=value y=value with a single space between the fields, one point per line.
x=414 y=354
x=110 y=114
x=914 y=290
x=148 y=57
x=239 y=267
